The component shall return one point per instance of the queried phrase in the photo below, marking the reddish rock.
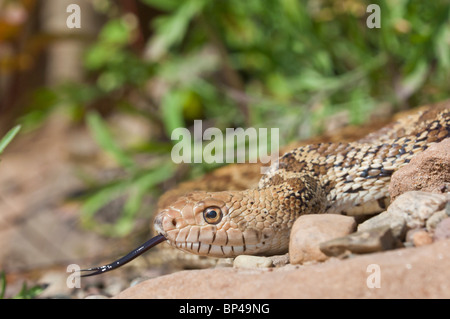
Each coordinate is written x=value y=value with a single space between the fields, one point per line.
x=420 y=272
x=311 y=230
x=428 y=171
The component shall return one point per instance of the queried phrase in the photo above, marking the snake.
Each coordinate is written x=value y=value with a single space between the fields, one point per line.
x=350 y=178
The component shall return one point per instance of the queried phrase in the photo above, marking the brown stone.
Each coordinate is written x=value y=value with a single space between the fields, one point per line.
x=311 y=230
x=428 y=171
x=361 y=242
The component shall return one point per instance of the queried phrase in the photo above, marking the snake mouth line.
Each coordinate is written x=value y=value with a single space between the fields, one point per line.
x=216 y=250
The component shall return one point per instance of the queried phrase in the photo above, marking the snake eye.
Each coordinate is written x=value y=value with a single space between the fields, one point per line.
x=212 y=215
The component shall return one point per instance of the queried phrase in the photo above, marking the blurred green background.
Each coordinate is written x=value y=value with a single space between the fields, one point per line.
x=289 y=64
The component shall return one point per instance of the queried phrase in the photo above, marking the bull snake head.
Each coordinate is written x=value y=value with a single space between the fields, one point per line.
x=224 y=224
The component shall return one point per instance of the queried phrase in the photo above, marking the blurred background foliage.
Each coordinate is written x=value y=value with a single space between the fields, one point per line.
x=290 y=64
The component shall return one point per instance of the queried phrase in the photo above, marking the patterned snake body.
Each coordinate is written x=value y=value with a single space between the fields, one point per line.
x=340 y=178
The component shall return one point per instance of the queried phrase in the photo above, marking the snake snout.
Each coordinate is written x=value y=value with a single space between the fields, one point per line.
x=163 y=222
x=157 y=224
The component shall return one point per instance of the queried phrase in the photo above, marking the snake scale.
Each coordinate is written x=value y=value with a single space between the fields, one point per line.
x=339 y=178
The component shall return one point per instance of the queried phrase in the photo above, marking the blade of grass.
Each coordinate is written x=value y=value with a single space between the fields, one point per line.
x=100 y=198
x=8 y=137
x=3 y=284
x=106 y=141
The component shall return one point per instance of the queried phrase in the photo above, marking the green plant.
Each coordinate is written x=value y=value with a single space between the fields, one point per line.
x=25 y=292
x=288 y=64
x=29 y=293
x=8 y=137
x=3 y=284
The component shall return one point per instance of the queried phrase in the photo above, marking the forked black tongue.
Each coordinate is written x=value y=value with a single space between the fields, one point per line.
x=125 y=259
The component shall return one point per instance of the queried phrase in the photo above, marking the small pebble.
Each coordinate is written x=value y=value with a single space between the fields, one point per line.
x=138 y=280
x=96 y=297
x=410 y=234
x=224 y=262
x=244 y=261
x=421 y=238
x=280 y=260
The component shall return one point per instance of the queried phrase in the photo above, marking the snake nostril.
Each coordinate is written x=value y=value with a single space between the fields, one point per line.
x=174 y=222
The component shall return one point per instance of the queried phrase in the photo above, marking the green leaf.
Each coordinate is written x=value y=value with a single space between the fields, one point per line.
x=8 y=137
x=3 y=284
x=413 y=81
x=442 y=46
x=171 y=29
x=166 y=5
x=96 y=201
x=114 y=36
x=104 y=138
x=25 y=292
x=172 y=110
x=29 y=293
x=115 y=32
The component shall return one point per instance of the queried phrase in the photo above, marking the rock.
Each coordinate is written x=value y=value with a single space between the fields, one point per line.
x=310 y=230
x=138 y=280
x=428 y=171
x=114 y=285
x=224 y=262
x=280 y=260
x=361 y=242
x=410 y=210
x=418 y=207
x=396 y=222
x=410 y=235
x=442 y=230
x=421 y=238
x=97 y=297
x=436 y=218
x=422 y=272
x=247 y=261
